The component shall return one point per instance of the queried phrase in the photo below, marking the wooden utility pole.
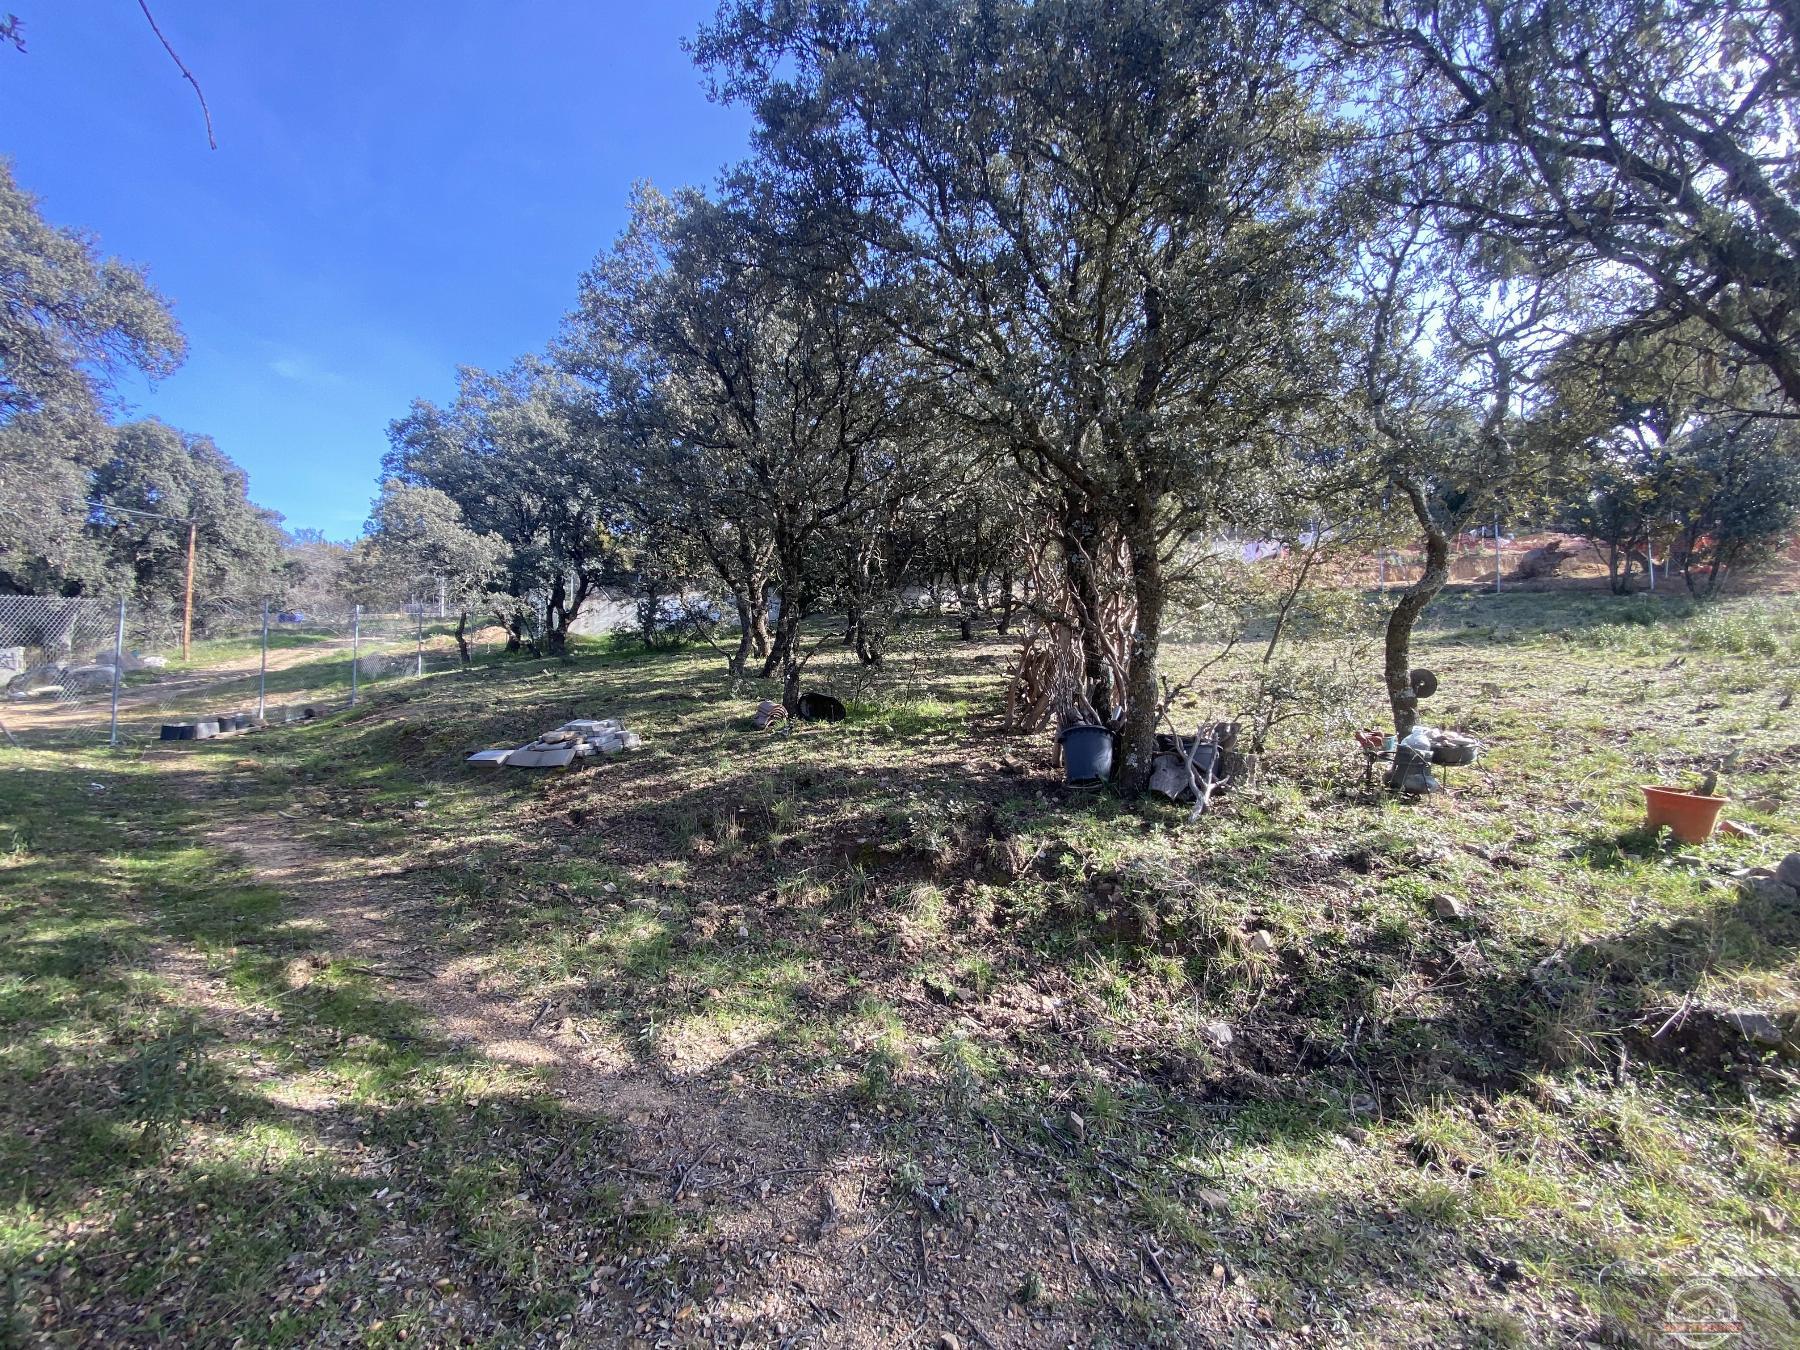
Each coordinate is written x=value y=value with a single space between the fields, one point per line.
x=187 y=608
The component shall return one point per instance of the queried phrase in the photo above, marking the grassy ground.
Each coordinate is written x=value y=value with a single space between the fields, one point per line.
x=934 y=1042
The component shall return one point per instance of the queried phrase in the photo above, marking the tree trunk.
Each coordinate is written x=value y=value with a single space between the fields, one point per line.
x=741 y=657
x=790 y=680
x=781 y=649
x=1079 y=538
x=556 y=619
x=462 y=636
x=1712 y=573
x=1397 y=652
x=759 y=620
x=1007 y=604
x=1138 y=737
x=649 y=608
x=869 y=646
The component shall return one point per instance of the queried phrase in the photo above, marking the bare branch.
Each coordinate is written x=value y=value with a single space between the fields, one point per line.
x=179 y=65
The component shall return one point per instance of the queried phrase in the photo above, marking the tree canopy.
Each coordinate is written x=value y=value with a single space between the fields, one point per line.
x=1104 y=229
x=524 y=464
x=1023 y=306
x=72 y=319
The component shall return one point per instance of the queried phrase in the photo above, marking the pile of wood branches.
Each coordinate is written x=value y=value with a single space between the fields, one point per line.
x=1052 y=683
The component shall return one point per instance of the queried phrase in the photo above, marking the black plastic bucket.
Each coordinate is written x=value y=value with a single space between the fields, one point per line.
x=1087 y=752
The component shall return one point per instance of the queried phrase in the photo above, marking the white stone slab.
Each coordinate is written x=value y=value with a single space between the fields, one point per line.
x=538 y=756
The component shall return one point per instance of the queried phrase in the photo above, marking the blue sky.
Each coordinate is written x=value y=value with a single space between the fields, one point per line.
x=398 y=188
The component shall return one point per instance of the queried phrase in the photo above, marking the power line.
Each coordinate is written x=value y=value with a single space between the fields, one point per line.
x=148 y=515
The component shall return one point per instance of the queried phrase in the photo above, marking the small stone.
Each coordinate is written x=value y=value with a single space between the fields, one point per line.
x=1218 y=1033
x=1788 y=870
x=1755 y=1026
x=743 y=930
x=1449 y=907
x=1214 y=1202
x=1261 y=943
x=1771 y=890
x=1077 y=1126
x=948 y=1341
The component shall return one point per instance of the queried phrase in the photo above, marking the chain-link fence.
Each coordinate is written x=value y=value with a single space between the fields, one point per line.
x=92 y=671
x=59 y=660
x=1477 y=559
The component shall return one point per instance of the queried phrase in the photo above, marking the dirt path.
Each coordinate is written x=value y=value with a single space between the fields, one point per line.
x=799 y=1232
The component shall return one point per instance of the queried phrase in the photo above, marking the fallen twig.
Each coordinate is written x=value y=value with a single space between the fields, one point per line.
x=974 y=1330
x=682 y=1180
x=1162 y=1276
x=1086 y=1263
x=1675 y=1017
x=1029 y=1154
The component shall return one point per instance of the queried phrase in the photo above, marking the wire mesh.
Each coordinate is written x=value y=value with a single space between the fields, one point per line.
x=57 y=670
x=242 y=662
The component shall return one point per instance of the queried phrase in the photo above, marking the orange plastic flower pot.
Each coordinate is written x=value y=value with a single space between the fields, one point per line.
x=1689 y=816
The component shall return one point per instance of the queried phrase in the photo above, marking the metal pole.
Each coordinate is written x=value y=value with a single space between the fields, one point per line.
x=262 y=674
x=1496 y=553
x=187 y=607
x=1650 y=557
x=112 y=738
x=419 y=650
x=355 y=647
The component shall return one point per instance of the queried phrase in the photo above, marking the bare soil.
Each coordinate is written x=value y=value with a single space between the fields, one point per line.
x=804 y=1240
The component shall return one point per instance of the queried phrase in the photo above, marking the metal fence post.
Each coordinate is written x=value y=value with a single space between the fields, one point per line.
x=1496 y=553
x=355 y=647
x=419 y=650
x=262 y=673
x=112 y=739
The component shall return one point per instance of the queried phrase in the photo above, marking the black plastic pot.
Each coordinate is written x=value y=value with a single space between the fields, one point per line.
x=177 y=731
x=1087 y=752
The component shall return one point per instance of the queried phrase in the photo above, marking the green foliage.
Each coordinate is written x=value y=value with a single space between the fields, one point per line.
x=153 y=467
x=73 y=322
x=1734 y=494
x=73 y=318
x=526 y=466
x=418 y=548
